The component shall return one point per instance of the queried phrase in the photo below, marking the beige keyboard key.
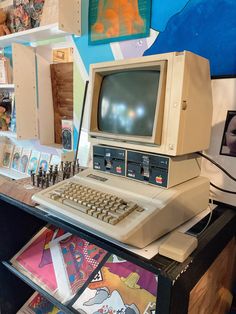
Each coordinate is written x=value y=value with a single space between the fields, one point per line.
x=75 y=206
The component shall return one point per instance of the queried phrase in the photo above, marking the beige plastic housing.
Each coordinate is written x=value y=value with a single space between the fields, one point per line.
x=185 y=94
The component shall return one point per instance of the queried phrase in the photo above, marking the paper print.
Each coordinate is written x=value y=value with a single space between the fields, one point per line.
x=74 y=261
x=120 y=287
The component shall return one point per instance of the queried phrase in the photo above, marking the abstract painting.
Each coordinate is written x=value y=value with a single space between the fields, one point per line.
x=115 y=20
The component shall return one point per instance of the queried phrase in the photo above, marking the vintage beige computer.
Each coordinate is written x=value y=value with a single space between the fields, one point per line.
x=149 y=116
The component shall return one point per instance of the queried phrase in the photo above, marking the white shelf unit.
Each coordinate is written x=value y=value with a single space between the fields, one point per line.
x=31 y=70
x=60 y=20
x=7 y=86
x=32 y=35
x=33 y=94
x=8 y=134
x=12 y=174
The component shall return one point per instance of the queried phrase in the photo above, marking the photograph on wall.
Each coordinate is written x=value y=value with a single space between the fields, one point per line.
x=119 y=287
x=228 y=144
x=114 y=20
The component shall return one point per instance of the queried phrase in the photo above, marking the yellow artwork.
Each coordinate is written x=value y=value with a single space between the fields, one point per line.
x=62 y=55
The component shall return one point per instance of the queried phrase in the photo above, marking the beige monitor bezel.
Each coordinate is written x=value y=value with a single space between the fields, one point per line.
x=97 y=76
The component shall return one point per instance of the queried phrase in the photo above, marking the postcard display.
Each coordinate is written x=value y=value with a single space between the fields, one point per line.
x=84 y=276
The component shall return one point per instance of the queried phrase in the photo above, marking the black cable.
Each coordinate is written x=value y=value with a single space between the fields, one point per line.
x=217 y=165
x=81 y=119
x=222 y=169
x=223 y=190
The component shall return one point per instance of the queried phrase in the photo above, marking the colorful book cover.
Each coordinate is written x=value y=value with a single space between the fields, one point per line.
x=35 y=261
x=7 y=155
x=24 y=160
x=74 y=261
x=44 y=161
x=119 y=287
x=37 y=304
x=33 y=162
x=15 y=163
x=67 y=134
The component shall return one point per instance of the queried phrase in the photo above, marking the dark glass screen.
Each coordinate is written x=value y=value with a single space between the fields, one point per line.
x=127 y=102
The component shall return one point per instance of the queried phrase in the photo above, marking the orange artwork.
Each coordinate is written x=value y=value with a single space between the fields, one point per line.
x=113 y=20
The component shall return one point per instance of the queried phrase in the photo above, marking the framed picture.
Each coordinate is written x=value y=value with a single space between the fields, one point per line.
x=114 y=20
x=228 y=143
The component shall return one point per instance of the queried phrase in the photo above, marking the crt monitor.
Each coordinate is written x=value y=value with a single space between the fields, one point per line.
x=160 y=104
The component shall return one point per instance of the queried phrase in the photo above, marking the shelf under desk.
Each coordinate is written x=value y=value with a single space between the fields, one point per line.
x=175 y=280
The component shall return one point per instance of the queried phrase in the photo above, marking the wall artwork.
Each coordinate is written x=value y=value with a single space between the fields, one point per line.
x=115 y=20
x=223 y=140
x=205 y=27
x=228 y=144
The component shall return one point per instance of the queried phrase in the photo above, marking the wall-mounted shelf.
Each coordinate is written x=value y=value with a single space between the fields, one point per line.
x=8 y=134
x=58 y=20
x=12 y=174
x=32 y=35
x=7 y=86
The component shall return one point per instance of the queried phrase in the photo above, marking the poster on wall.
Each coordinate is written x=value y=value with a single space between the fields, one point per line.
x=222 y=147
x=228 y=145
x=114 y=20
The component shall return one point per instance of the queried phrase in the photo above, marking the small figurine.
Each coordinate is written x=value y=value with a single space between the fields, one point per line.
x=4 y=119
x=4 y=30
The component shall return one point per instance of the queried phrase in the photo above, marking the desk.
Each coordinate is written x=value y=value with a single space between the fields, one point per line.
x=195 y=286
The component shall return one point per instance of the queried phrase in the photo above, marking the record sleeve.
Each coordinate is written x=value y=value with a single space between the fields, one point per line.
x=119 y=287
x=38 y=304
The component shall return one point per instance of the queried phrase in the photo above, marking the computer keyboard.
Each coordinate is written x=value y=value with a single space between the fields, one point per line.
x=131 y=212
x=103 y=206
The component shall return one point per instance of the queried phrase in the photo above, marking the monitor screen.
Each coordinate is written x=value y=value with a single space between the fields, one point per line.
x=127 y=102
